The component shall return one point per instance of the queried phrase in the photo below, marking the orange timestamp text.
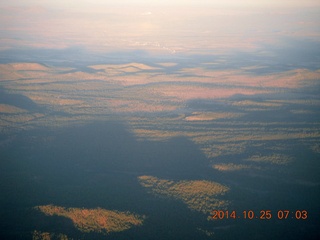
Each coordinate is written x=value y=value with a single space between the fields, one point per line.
x=262 y=214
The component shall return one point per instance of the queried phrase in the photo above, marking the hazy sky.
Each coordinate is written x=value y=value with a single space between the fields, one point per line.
x=155 y=25
x=224 y=3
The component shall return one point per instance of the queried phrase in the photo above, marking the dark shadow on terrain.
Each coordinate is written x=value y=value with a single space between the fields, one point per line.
x=18 y=100
x=104 y=147
x=95 y=165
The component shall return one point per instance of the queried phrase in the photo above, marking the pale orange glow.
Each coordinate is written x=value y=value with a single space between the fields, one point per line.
x=189 y=29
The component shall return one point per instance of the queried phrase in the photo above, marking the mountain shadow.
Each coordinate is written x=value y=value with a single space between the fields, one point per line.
x=18 y=100
x=101 y=147
x=91 y=166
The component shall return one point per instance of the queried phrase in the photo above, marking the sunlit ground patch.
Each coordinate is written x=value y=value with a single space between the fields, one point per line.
x=5 y=108
x=168 y=64
x=38 y=235
x=278 y=159
x=255 y=103
x=198 y=195
x=231 y=167
x=210 y=116
x=95 y=220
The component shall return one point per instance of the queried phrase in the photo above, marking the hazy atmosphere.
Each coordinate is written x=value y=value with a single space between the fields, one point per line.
x=159 y=119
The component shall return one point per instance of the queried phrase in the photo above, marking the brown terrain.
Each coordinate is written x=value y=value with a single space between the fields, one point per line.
x=97 y=220
x=199 y=195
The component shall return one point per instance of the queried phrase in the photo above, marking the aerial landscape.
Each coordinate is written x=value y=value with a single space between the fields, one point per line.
x=159 y=120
